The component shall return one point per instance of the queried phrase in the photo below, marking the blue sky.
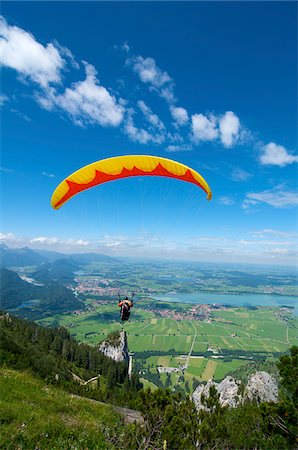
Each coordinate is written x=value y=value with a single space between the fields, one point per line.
x=212 y=85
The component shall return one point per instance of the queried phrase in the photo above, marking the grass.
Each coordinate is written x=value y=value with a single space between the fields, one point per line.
x=239 y=329
x=148 y=384
x=34 y=415
x=209 y=370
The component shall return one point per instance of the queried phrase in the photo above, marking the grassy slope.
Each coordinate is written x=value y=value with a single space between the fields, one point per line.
x=34 y=415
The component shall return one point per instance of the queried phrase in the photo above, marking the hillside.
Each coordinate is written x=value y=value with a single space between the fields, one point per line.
x=51 y=352
x=54 y=356
x=14 y=290
x=61 y=270
x=53 y=297
x=37 y=415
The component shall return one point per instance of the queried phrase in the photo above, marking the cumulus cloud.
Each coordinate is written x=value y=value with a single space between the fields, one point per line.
x=20 y=51
x=212 y=248
x=229 y=128
x=148 y=71
x=86 y=102
x=65 y=52
x=179 y=114
x=153 y=119
x=204 y=128
x=42 y=242
x=276 y=155
x=157 y=79
x=277 y=197
x=8 y=238
x=140 y=134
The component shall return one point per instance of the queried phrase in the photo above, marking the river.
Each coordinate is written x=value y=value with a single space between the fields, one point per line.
x=231 y=299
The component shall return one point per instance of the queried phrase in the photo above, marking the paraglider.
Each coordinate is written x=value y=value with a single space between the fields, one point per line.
x=125 y=306
x=122 y=167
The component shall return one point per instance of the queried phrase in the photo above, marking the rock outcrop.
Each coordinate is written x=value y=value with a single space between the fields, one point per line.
x=201 y=390
x=261 y=387
x=229 y=390
x=115 y=347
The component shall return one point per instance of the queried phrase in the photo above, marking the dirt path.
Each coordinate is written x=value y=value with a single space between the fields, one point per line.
x=192 y=345
x=130 y=415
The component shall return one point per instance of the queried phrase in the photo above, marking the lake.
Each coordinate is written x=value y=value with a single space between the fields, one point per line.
x=231 y=299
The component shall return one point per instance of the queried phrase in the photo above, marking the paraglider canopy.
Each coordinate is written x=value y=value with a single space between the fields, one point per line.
x=122 y=167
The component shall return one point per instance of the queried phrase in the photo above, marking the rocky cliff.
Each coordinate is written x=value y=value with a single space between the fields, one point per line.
x=115 y=347
x=261 y=387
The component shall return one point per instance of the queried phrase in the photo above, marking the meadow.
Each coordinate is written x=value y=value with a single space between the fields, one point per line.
x=206 y=349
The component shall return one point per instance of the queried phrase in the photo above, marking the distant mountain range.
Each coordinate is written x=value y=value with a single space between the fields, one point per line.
x=19 y=257
x=25 y=256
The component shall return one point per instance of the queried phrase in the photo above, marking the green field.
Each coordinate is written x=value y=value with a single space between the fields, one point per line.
x=223 y=343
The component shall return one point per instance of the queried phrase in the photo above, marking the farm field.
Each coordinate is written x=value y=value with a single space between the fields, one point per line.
x=197 y=349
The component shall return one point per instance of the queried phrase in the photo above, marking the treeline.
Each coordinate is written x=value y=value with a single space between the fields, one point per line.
x=55 y=356
x=227 y=355
x=172 y=422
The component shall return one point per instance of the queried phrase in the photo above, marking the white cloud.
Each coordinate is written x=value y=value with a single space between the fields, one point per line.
x=148 y=71
x=204 y=128
x=179 y=148
x=226 y=201
x=20 y=114
x=44 y=240
x=139 y=134
x=4 y=169
x=240 y=175
x=157 y=79
x=86 y=102
x=179 y=114
x=8 y=238
x=64 y=51
x=125 y=47
x=277 y=155
x=3 y=99
x=153 y=119
x=53 y=241
x=229 y=127
x=168 y=94
x=276 y=234
x=209 y=248
x=277 y=197
x=20 y=51
x=49 y=175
